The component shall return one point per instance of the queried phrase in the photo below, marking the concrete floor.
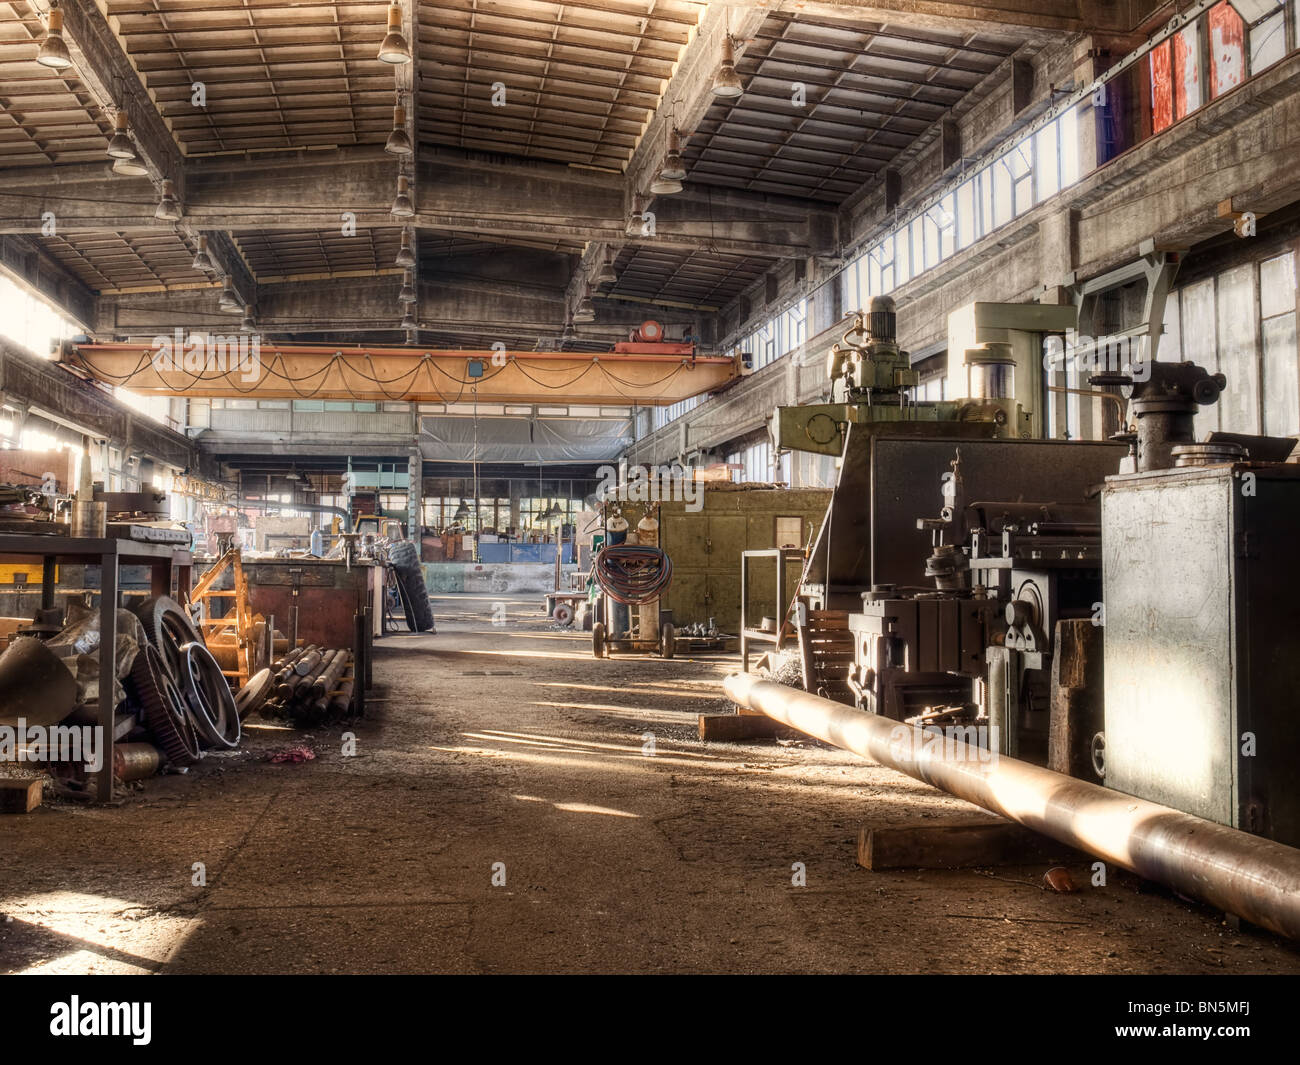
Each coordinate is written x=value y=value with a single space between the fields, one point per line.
x=507 y=743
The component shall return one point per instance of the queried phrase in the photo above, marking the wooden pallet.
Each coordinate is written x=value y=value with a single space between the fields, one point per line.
x=825 y=652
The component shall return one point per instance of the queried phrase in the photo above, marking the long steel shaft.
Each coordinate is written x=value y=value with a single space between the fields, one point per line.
x=1252 y=877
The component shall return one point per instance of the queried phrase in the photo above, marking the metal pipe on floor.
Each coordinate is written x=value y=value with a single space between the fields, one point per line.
x=1252 y=877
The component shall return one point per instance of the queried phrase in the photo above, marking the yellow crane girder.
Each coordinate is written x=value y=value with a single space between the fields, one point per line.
x=237 y=366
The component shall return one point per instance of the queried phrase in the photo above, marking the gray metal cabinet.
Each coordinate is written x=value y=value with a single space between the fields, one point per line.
x=1201 y=586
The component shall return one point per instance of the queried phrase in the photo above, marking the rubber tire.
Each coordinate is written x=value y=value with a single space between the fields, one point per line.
x=562 y=614
x=405 y=561
x=667 y=641
x=167 y=626
x=403 y=599
x=599 y=649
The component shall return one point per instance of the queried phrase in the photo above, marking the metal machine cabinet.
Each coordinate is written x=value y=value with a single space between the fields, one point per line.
x=1201 y=586
x=705 y=546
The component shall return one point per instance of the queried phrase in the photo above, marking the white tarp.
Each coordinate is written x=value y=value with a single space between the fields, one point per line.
x=450 y=438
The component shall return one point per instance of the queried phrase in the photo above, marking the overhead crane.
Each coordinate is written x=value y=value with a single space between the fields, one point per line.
x=635 y=372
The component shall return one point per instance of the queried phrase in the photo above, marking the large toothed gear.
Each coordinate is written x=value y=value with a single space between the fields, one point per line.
x=163 y=709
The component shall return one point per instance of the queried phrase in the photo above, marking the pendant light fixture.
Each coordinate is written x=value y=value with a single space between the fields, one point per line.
x=202 y=260
x=399 y=142
x=726 y=82
x=637 y=225
x=54 y=52
x=669 y=179
x=664 y=186
x=248 y=325
x=405 y=257
x=407 y=292
x=586 y=309
x=606 y=274
x=119 y=145
x=229 y=301
x=394 y=49
x=169 y=210
x=408 y=321
x=402 y=205
x=130 y=168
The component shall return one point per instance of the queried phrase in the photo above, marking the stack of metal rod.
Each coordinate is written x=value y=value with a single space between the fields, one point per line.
x=310 y=685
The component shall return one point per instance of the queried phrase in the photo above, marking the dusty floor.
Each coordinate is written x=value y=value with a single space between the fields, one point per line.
x=507 y=743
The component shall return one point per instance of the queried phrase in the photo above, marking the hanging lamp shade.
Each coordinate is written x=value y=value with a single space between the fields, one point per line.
x=119 y=145
x=202 y=260
x=407 y=292
x=399 y=143
x=662 y=186
x=606 y=274
x=674 y=168
x=726 y=82
x=405 y=257
x=229 y=301
x=394 y=48
x=169 y=209
x=54 y=52
x=402 y=205
x=130 y=168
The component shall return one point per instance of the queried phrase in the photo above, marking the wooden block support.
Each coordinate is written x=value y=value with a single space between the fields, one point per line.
x=1076 y=713
x=722 y=728
x=19 y=796
x=953 y=846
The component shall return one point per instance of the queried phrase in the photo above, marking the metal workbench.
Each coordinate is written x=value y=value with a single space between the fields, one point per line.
x=164 y=562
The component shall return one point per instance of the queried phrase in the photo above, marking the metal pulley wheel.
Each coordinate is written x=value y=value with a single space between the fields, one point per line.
x=168 y=627
x=254 y=693
x=212 y=706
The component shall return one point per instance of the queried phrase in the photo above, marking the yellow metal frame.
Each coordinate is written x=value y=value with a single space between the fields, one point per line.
x=235 y=635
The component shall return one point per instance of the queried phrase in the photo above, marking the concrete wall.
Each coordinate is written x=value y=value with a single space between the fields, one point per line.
x=474 y=578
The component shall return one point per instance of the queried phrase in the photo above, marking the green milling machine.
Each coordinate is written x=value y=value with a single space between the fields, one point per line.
x=956 y=537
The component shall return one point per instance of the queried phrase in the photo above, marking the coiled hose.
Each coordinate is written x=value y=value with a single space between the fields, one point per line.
x=631 y=574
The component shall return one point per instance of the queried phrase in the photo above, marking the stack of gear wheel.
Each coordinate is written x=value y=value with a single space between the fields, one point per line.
x=168 y=628
x=212 y=706
x=163 y=708
x=405 y=562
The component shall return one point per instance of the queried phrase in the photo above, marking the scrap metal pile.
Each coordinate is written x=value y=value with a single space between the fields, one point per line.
x=172 y=702
x=177 y=688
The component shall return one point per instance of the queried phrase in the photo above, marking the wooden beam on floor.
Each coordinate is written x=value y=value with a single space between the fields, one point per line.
x=953 y=846
x=726 y=728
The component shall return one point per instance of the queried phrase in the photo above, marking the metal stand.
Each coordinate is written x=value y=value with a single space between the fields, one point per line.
x=751 y=634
